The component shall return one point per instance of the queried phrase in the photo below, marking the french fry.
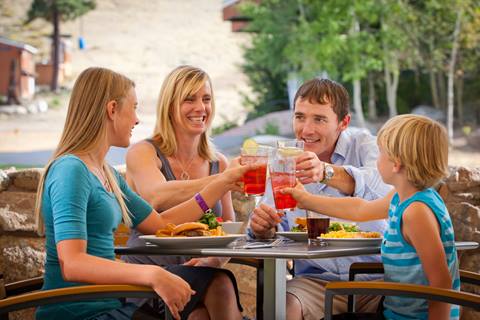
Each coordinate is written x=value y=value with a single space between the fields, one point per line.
x=163 y=233
x=345 y=234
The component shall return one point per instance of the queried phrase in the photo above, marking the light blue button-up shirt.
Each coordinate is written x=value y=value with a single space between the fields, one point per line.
x=357 y=152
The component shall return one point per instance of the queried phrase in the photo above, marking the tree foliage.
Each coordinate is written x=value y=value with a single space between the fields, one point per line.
x=67 y=9
x=55 y=11
x=354 y=40
x=266 y=63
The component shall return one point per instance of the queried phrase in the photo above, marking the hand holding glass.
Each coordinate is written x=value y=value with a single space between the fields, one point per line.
x=254 y=180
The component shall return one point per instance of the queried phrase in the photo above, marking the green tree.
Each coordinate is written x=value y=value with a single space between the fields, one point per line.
x=265 y=65
x=307 y=38
x=56 y=11
x=448 y=34
x=335 y=36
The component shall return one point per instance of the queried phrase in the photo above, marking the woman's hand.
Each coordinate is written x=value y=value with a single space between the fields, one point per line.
x=214 y=262
x=233 y=175
x=173 y=290
x=298 y=193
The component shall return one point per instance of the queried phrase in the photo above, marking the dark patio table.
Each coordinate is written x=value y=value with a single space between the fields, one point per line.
x=274 y=263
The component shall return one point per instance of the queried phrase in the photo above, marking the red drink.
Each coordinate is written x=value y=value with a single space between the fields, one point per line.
x=282 y=180
x=317 y=226
x=254 y=180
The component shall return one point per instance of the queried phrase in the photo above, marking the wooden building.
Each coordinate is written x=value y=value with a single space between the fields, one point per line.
x=17 y=70
x=231 y=13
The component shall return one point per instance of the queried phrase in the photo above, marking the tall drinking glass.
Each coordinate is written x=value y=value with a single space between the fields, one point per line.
x=254 y=180
x=316 y=225
x=290 y=148
x=282 y=175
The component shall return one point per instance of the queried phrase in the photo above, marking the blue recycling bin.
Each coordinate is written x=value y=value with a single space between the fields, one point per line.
x=81 y=43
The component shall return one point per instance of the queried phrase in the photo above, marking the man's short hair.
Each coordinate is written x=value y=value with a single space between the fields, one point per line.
x=324 y=91
x=420 y=144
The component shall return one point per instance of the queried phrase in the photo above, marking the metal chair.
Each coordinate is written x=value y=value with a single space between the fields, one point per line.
x=352 y=288
x=15 y=297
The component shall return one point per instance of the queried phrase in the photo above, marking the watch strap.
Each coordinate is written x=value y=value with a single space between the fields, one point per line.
x=202 y=204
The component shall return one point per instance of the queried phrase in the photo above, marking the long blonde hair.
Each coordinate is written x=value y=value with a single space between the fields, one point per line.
x=86 y=127
x=180 y=83
x=420 y=144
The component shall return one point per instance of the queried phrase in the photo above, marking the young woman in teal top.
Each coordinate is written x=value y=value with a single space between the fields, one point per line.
x=419 y=244
x=81 y=200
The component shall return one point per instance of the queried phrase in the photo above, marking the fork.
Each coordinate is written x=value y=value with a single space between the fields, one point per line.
x=257 y=245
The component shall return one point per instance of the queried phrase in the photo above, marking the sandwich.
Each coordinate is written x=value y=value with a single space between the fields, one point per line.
x=191 y=229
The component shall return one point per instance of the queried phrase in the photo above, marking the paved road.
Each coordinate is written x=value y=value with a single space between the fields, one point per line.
x=228 y=142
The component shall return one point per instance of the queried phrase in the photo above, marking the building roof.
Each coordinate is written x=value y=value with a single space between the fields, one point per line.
x=227 y=3
x=19 y=45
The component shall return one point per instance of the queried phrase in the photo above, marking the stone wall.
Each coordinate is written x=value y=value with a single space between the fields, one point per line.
x=22 y=251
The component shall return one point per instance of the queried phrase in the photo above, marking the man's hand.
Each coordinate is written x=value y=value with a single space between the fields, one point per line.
x=264 y=220
x=309 y=168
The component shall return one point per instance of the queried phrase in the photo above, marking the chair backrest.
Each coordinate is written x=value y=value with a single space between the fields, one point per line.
x=3 y=293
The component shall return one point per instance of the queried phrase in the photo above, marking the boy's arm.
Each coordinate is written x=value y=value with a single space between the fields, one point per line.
x=355 y=209
x=421 y=229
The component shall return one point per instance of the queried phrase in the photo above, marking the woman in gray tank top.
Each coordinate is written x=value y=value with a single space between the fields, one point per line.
x=178 y=160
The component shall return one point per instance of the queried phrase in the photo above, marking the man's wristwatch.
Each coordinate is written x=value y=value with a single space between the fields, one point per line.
x=328 y=173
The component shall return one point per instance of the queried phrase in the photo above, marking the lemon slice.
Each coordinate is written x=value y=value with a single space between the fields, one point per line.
x=290 y=151
x=250 y=146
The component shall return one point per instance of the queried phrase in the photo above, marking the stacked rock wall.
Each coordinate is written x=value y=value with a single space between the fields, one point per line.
x=22 y=251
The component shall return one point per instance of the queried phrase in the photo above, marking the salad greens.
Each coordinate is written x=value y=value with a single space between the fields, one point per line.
x=348 y=227
x=209 y=219
x=298 y=229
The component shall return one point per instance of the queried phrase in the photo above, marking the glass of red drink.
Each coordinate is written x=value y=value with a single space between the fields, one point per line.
x=254 y=180
x=316 y=225
x=282 y=175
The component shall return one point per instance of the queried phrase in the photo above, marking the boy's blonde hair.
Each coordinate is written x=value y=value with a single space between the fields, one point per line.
x=180 y=83
x=420 y=144
x=86 y=126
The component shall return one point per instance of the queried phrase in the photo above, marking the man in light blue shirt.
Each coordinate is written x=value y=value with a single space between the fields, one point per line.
x=339 y=162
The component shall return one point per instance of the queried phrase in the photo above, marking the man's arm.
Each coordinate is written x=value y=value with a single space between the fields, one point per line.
x=310 y=169
x=358 y=177
x=368 y=183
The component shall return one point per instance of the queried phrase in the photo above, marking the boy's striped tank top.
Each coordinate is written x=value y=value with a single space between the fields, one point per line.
x=402 y=263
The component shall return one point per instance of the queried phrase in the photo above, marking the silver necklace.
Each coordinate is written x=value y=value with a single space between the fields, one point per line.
x=184 y=175
x=103 y=179
x=100 y=174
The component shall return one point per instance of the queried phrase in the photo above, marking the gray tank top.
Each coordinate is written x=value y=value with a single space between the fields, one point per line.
x=134 y=239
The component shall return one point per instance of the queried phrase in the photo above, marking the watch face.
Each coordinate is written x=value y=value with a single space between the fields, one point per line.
x=329 y=172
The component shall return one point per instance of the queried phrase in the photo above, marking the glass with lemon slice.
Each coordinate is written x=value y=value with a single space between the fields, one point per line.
x=290 y=148
x=254 y=180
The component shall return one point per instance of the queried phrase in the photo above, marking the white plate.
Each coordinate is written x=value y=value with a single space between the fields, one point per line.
x=295 y=236
x=353 y=242
x=191 y=242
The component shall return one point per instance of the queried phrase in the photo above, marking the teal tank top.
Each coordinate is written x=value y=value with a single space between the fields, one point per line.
x=402 y=264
